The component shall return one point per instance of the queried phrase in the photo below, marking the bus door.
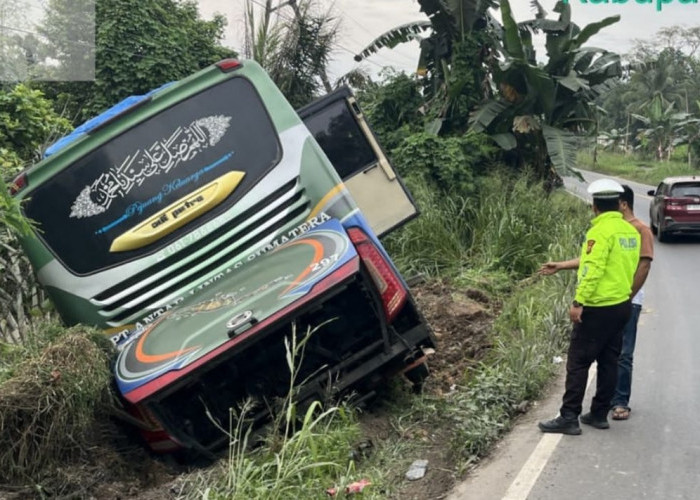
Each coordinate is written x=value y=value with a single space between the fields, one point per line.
x=339 y=127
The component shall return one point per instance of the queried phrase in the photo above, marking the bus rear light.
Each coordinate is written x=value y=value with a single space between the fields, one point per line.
x=227 y=65
x=18 y=184
x=390 y=287
x=157 y=438
x=148 y=417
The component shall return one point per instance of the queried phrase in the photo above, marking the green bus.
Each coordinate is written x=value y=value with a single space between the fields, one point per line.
x=201 y=225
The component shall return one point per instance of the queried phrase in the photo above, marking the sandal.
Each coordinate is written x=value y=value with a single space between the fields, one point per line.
x=621 y=413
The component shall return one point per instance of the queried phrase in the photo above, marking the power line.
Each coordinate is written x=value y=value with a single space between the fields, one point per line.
x=364 y=28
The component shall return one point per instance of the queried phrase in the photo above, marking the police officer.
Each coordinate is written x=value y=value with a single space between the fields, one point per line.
x=600 y=310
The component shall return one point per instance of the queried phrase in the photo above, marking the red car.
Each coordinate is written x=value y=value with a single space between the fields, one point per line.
x=675 y=208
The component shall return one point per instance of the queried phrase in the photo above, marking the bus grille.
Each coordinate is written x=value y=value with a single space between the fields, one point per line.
x=131 y=298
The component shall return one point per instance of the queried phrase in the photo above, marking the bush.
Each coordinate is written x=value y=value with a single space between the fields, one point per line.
x=392 y=108
x=50 y=390
x=449 y=163
x=27 y=122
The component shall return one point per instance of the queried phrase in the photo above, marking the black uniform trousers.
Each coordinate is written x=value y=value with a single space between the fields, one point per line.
x=597 y=338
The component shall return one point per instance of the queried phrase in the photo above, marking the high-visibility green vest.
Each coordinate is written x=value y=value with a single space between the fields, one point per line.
x=609 y=259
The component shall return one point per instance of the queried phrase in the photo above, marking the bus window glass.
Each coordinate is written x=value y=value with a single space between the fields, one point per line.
x=341 y=139
x=137 y=174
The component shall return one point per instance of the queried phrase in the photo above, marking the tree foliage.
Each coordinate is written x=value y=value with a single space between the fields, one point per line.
x=657 y=94
x=454 y=57
x=450 y=164
x=392 y=108
x=27 y=123
x=294 y=48
x=142 y=45
x=69 y=31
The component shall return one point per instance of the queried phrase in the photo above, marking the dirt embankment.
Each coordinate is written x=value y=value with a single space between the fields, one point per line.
x=461 y=320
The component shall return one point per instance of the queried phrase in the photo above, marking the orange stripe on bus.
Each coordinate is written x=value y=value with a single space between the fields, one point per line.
x=156 y=358
x=318 y=254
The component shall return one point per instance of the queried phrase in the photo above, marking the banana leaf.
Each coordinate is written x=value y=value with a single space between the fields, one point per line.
x=561 y=147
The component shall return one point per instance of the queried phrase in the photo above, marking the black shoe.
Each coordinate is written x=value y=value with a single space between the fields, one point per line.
x=561 y=425
x=593 y=421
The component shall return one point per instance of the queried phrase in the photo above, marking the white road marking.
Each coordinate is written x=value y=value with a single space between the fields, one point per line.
x=527 y=477
x=523 y=483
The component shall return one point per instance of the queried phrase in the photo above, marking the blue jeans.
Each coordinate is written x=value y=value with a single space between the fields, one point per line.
x=624 y=365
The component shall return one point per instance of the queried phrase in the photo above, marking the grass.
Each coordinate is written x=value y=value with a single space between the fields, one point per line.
x=301 y=457
x=632 y=167
x=50 y=391
x=493 y=243
x=514 y=226
x=506 y=229
x=436 y=243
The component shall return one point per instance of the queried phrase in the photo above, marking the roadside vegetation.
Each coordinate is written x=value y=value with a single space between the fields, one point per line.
x=636 y=167
x=479 y=136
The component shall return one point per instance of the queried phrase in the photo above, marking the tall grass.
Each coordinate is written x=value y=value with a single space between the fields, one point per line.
x=436 y=243
x=530 y=331
x=300 y=456
x=505 y=228
x=514 y=221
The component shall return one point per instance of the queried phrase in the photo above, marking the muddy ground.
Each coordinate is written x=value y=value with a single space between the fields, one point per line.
x=460 y=321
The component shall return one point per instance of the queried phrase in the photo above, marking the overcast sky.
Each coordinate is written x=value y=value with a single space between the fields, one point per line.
x=364 y=20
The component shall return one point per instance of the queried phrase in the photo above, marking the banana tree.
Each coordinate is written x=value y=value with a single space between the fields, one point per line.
x=687 y=130
x=666 y=128
x=614 y=140
x=453 y=60
x=539 y=110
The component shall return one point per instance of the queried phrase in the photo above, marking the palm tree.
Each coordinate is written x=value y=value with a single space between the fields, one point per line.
x=653 y=87
x=294 y=49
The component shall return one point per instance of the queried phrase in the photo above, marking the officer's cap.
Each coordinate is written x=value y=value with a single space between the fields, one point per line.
x=605 y=188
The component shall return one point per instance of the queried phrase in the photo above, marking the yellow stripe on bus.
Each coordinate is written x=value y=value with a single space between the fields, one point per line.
x=333 y=192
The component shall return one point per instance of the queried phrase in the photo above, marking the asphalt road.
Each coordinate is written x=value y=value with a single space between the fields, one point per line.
x=653 y=455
